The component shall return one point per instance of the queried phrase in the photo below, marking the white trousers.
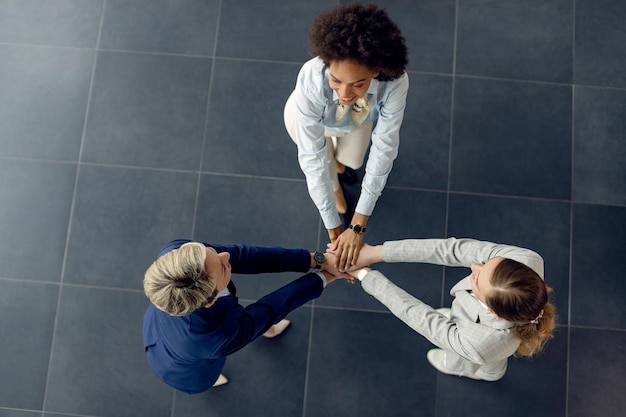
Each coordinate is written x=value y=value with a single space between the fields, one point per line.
x=346 y=148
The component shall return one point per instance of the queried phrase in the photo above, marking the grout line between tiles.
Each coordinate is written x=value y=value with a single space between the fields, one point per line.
x=308 y=361
x=571 y=213
x=72 y=208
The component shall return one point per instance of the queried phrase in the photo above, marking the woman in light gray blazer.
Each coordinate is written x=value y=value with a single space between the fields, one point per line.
x=499 y=310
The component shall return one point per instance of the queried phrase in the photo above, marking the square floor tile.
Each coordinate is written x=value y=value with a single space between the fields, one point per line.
x=522 y=39
x=147 y=110
x=355 y=369
x=61 y=22
x=542 y=226
x=598 y=285
x=540 y=379
x=599 y=146
x=259 y=29
x=245 y=132
x=600 y=38
x=266 y=378
x=256 y=211
x=44 y=100
x=122 y=217
x=428 y=27
x=25 y=342
x=36 y=201
x=597 y=373
x=186 y=27
x=512 y=138
x=98 y=365
x=424 y=151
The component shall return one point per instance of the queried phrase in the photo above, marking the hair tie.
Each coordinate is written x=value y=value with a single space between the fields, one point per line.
x=536 y=321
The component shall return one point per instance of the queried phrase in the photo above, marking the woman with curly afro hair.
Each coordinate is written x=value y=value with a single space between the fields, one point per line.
x=353 y=91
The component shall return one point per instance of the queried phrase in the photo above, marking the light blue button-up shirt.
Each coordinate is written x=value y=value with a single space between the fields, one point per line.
x=316 y=104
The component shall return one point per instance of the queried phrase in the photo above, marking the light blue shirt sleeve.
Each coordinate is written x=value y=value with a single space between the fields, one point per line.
x=316 y=104
x=385 y=142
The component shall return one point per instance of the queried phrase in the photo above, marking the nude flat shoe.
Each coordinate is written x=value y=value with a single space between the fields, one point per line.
x=277 y=329
x=221 y=380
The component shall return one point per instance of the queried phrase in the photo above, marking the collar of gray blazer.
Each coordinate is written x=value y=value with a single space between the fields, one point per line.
x=474 y=308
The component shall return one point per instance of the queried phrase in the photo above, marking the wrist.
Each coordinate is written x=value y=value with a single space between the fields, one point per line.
x=358 y=223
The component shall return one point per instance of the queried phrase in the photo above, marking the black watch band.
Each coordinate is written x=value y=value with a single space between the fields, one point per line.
x=319 y=259
x=357 y=228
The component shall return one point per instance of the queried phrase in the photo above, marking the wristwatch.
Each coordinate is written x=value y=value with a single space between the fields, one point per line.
x=357 y=228
x=319 y=259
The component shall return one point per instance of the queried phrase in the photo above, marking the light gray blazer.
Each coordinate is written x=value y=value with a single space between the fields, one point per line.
x=473 y=338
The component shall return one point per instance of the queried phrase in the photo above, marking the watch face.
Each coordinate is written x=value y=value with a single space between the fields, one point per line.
x=357 y=228
x=319 y=258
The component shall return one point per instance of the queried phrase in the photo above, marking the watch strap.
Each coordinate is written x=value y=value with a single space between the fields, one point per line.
x=357 y=228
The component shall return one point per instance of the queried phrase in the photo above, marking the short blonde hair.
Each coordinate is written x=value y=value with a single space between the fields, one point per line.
x=177 y=283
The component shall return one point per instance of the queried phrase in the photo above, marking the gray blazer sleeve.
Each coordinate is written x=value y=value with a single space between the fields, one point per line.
x=486 y=342
x=475 y=342
x=457 y=252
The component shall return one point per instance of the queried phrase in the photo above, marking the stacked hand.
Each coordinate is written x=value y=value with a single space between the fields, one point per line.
x=367 y=255
x=331 y=272
x=346 y=248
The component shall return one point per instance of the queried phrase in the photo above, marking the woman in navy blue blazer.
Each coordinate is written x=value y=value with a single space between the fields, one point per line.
x=195 y=320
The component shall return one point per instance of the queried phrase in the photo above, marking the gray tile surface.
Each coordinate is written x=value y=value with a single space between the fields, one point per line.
x=522 y=148
x=345 y=378
x=26 y=342
x=104 y=373
x=599 y=150
x=526 y=39
x=127 y=123
x=595 y=357
x=147 y=110
x=245 y=132
x=599 y=40
x=114 y=237
x=424 y=153
x=257 y=29
x=597 y=274
x=187 y=27
x=60 y=23
x=44 y=100
x=429 y=31
x=36 y=202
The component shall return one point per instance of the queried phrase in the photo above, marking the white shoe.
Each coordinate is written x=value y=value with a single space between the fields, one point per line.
x=277 y=329
x=437 y=358
x=221 y=380
x=444 y=311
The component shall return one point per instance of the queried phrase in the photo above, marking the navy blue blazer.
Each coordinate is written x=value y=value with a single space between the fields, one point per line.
x=189 y=352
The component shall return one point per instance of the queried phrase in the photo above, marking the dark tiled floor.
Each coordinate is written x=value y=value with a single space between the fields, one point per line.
x=124 y=124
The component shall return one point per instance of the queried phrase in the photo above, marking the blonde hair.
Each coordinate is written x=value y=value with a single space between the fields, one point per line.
x=177 y=282
x=520 y=296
